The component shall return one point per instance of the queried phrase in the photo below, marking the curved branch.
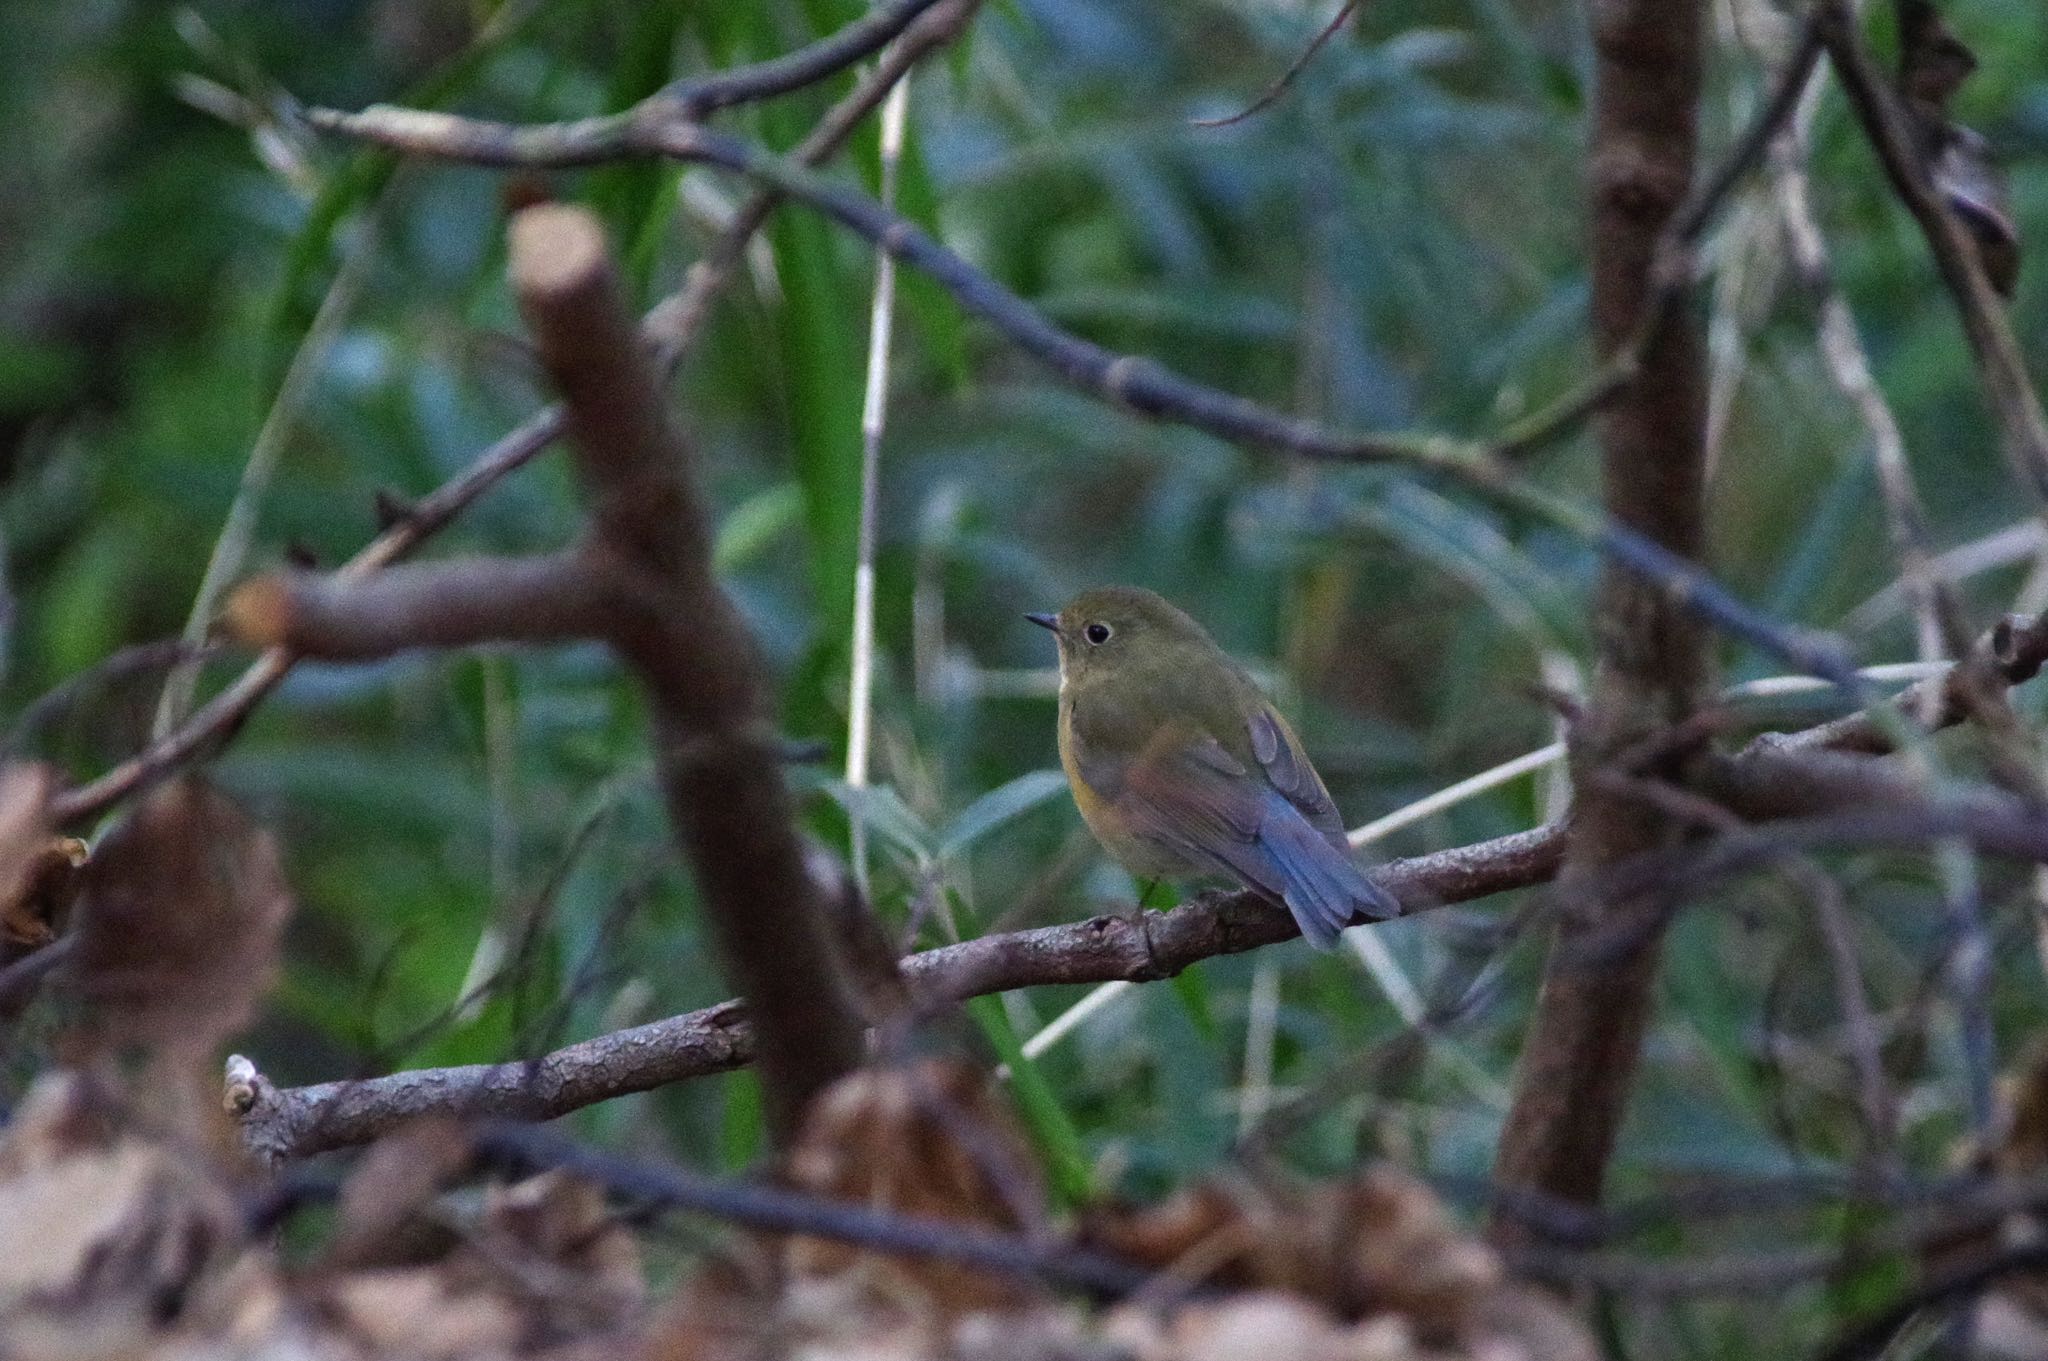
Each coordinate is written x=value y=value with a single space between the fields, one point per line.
x=1142 y=384
x=297 y=1122
x=1999 y=361
x=695 y=96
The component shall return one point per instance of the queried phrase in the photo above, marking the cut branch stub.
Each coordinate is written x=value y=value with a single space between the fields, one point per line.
x=715 y=751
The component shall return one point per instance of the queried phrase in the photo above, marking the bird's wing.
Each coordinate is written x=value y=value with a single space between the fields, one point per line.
x=1279 y=754
x=1193 y=798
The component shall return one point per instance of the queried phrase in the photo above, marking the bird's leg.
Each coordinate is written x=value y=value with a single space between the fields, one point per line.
x=1145 y=892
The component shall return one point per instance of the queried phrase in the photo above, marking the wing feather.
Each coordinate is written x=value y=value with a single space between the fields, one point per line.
x=1193 y=799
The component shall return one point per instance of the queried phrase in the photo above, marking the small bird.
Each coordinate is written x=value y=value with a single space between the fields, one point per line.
x=1180 y=766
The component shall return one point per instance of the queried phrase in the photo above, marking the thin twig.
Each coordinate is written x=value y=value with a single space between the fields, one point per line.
x=1287 y=78
x=696 y=96
x=1139 y=383
x=759 y=1205
x=874 y=414
x=220 y=717
x=2000 y=363
x=671 y=328
x=1873 y=1337
x=238 y=529
x=1672 y=265
x=1937 y=608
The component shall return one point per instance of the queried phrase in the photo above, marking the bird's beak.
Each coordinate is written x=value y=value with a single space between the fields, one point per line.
x=1045 y=621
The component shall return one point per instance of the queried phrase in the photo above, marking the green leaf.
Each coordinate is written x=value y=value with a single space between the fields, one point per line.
x=1053 y=1131
x=359 y=181
x=635 y=197
x=999 y=806
x=885 y=812
x=740 y=1126
x=755 y=524
x=1527 y=598
x=930 y=308
x=819 y=329
x=1191 y=990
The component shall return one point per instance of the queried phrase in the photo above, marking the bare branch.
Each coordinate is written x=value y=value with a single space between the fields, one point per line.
x=1287 y=78
x=2013 y=652
x=1937 y=606
x=697 y=96
x=1145 y=946
x=1579 y=1061
x=1141 y=384
x=221 y=717
x=1144 y=385
x=1142 y=947
x=1999 y=362
x=680 y=320
x=715 y=751
x=437 y=604
x=1672 y=265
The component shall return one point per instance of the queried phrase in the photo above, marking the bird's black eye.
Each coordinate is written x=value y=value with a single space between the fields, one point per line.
x=1096 y=633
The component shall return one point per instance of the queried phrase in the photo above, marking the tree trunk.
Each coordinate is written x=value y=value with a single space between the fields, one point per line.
x=1580 y=1058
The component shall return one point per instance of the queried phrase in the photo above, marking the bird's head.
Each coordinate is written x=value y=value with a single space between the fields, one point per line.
x=1122 y=629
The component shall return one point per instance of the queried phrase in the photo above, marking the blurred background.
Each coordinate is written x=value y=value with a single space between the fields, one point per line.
x=482 y=865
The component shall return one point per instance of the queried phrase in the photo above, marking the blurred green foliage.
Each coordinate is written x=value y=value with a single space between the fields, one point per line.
x=482 y=866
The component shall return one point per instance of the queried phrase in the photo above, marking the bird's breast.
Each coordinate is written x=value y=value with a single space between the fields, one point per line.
x=1140 y=854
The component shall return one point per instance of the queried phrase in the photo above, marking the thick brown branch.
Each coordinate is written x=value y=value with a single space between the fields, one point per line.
x=1579 y=1061
x=715 y=750
x=456 y=603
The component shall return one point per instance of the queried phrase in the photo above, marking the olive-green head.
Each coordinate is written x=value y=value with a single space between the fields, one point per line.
x=1124 y=629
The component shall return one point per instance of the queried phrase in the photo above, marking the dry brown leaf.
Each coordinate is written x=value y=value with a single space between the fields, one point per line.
x=179 y=914
x=37 y=867
x=98 y=1222
x=723 y=1311
x=1378 y=1247
x=1258 y=1326
x=383 y=1218
x=1933 y=64
x=1406 y=1255
x=551 y=1245
x=2015 y=1314
x=930 y=1141
x=420 y=1312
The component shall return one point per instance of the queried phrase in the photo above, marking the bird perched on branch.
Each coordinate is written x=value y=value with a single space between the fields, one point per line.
x=1180 y=766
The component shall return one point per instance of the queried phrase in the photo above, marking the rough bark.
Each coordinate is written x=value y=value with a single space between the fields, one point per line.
x=1582 y=1050
x=716 y=752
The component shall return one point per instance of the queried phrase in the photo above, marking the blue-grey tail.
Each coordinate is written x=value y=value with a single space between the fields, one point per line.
x=1319 y=882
